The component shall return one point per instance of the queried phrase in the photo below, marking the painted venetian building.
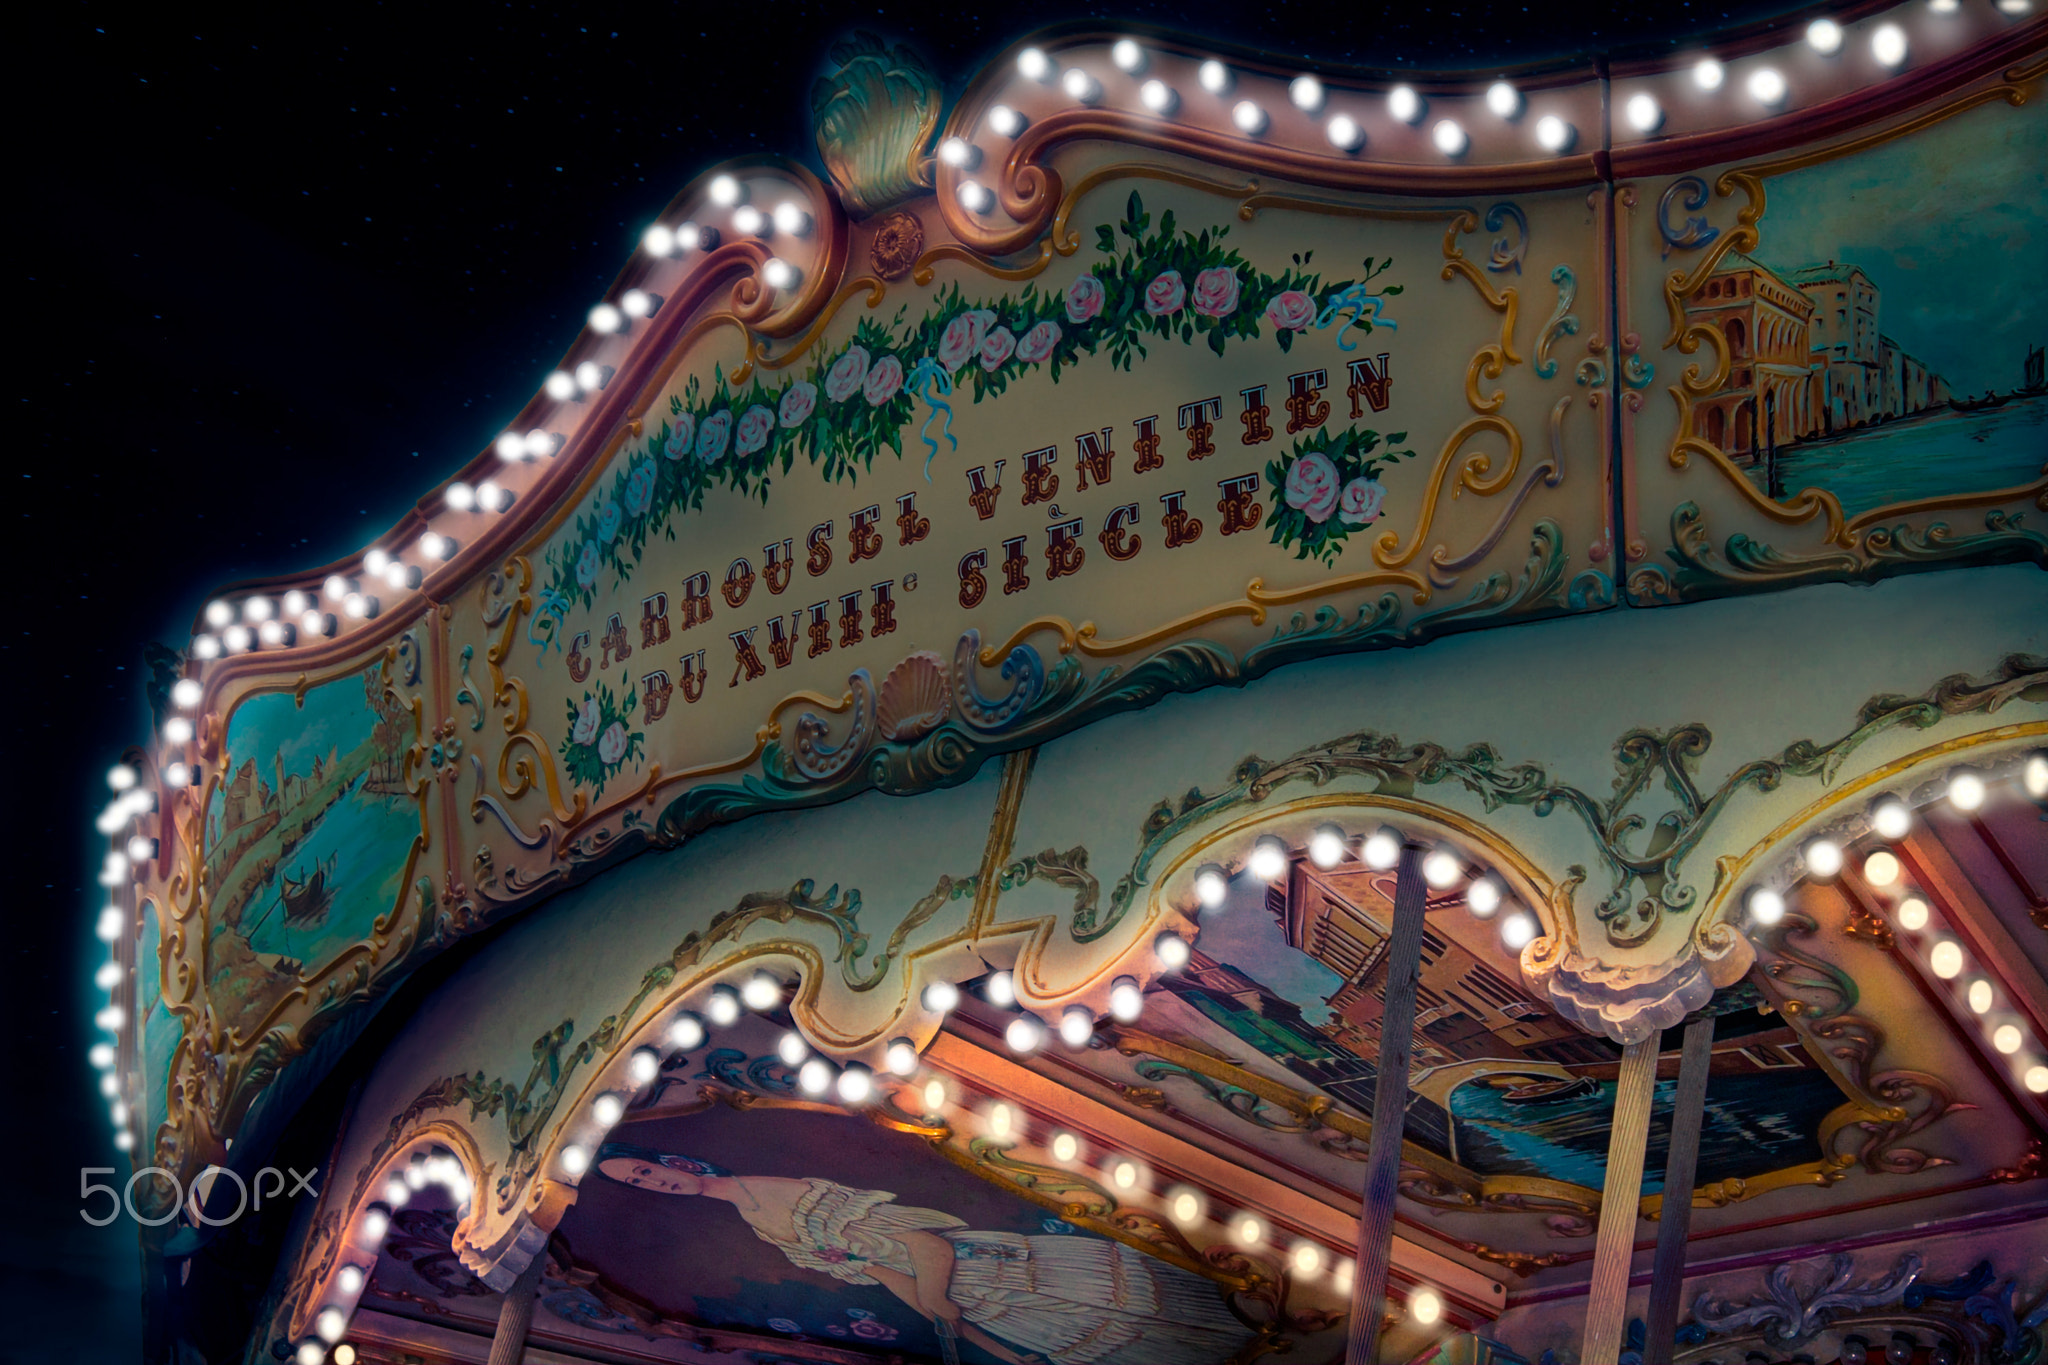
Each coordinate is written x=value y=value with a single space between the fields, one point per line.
x=1158 y=709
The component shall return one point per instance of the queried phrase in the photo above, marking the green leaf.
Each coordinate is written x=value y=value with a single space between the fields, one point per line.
x=1396 y=437
x=1286 y=339
x=1105 y=238
x=1216 y=341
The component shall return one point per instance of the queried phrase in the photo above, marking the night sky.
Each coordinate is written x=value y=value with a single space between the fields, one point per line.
x=279 y=278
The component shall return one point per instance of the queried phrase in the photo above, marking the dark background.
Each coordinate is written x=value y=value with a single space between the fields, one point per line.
x=275 y=277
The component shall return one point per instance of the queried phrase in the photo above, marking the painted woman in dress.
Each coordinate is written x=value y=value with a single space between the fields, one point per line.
x=1043 y=1300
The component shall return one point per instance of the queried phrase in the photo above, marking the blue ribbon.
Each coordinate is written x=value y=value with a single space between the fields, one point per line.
x=553 y=608
x=928 y=381
x=1364 y=309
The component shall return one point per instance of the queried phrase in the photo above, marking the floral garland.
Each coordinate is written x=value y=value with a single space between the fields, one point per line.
x=598 y=743
x=855 y=400
x=1329 y=487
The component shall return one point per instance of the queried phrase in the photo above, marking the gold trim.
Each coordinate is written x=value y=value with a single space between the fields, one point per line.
x=873 y=287
x=922 y=272
x=1002 y=836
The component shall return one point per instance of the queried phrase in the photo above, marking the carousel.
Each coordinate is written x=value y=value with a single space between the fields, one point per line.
x=1157 y=709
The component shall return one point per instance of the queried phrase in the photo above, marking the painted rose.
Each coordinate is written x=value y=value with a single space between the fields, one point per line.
x=712 y=434
x=682 y=434
x=756 y=426
x=799 y=401
x=1360 y=501
x=1084 y=299
x=586 y=723
x=1291 y=310
x=1312 y=486
x=962 y=338
x=639 y=489
x=1038 y=343
x=1165 y=295
x=611 y=745
x=1216 y=292
x=885 y=377
x=785 y=1325
x=870 y=1329
x=843 y=380
x=608 y=519
x=586 y=565
x=996 y=348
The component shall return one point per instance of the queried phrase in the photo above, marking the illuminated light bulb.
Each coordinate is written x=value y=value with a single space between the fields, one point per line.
x=1888 y=44
x=901 y=1057
x=344 y=1354
x=337 y=587
x=237 y=639
x=351 y=1279
x=1517 y=930
x=1823 y=858
x=1269 y=858
x=1065 y=1147
x=1553 y=134
x=177 y=729
x=1212 y=888
x=2035 y=776
x=141 y=849
x=111 y=819
x=1767 y=86
x=1425 y=1307
x=722 y=1007
x=396 y=1192
x=1127 y=55
x=1980 y=996
x=958 y=151
x=1305 y=93
x=1404 y=104
x=1880 y=869
x=1891 y=819
x=1214 y=76
x=121 y=777
x=934 y=1096
x=178 y=775
x=763 y=991
x=1326 y=846
x=659 y=240
x=1442 y=868
x=1824 y=36
x=2037 y=1079
x=295 y=603
x=644 y=1065
x=101 y=1055
x=1503 y=100
x=123 y=1141
x=1344 y=133
x=108 y=927
x=1158 y=96
x=1024 y=1034
x=357 y=607
x=1249 y=1231
x=575 y=1160
x=310 y=1353
x=110 y=1018
x=1307 y=1258
x=749 y=220
x=941 y=997
x=271 y=633
x=560 y=385
x=460 y=497
x=1483 y=897
x=792 y=218
x=1645 y=115
x=137 y=801
x=1382 y=848
x=1124 y=1175
x=257 y=609
x=511 y=447
x=1001 y=990
x=780 y=274
x=1946 y=958
x=330 y=1324
x=1913 y=914
x=792 y=1049
x=1450 y=139
x=375 y=1224
x=1002 y=1121
x=591 y=376
x=606 y=319
x=1034 y=64
x=205 y=647
x=1708 y=74
x=219 y=613
x=118 y=1112
x=108 y=976
x=856 y=1084
x=1966 y=791
x=1077 y=1025
x=2007 y=1038
x=1186 y=1207
x=1126 y=1001
x=1172 y=951
x=814 y=1077
x=638 y=303
x=689 y=237
x=491 y=497
x=1006 y=122
x=109 y=1085
x=725 y=191
x=402 y=576
x=686 y=1032
x=1766 y=906
x=1080 y=86
x=975 y=197
x=437 y=546
x=114 y=866
x=1249 y=118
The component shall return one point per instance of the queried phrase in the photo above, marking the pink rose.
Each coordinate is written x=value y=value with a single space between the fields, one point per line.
x=640 y=489
x=1038 y=342
x=1291 y=311
x=611 y=745
x=1216 y=292
x=586 y=723
x=1166 y=294
x=1312 y=486
x=1360 y=501
x=996 y=348
x=681 y=436
x=962 y=338
x=754 y=429
x=884 y=378
x=1084 y=299
x=799 y=400
x=846 y=374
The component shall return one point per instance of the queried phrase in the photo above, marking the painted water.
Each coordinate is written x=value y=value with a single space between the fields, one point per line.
x=361 y=841
x=1930 y=455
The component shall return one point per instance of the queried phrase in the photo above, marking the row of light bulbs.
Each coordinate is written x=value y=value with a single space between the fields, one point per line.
x=426 y=1166
x=1891 y=819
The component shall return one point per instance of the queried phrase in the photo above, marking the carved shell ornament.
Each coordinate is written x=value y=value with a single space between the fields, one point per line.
x=915 y=700
x=874 y=114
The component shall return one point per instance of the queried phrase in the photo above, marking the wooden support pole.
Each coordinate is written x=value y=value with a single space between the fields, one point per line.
x=515 y=1314
x=1389 y=1111
x=1614 y=1245
x=1680 y=1166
